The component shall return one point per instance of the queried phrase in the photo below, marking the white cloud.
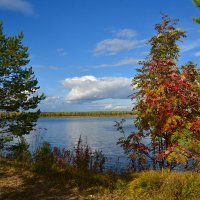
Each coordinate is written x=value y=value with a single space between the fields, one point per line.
x=53 y=103
x=197 y=53
x=61 y=52
x=52 y=99
x=123 y=62
x=58 y=103
x=123 y=41
x=44 y=67
x=17 y=5
x=115 y=45
x=55 y=68
x=126 y=33
x=90 y=88
x=190 y=45
x=117 y=107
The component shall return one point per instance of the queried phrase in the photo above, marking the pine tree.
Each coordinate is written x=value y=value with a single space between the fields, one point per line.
x=18 y=87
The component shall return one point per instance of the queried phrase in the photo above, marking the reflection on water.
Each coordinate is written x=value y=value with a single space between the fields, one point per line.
x=100 y=133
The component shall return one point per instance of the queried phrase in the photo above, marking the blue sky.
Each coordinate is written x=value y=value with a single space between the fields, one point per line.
x=84 y=52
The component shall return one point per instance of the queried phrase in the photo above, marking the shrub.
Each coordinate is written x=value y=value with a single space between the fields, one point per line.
x=44 y=158
x=98 y=160
x=82 y=155
x=62 y=156
x=20 y=151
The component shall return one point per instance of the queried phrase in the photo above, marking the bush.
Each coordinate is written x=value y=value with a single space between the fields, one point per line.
x=85 y=159
x=62 y=156
x=20 y=151
x=98 y=160
x=82 y=155
x=82 y=158
x=43 y=158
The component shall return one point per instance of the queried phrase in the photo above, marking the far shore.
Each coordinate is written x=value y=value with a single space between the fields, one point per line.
x=94 y=114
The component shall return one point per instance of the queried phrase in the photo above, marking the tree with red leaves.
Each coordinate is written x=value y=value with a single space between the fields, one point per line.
x=167 y=104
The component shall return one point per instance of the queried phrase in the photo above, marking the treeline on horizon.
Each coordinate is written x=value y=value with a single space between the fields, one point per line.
x=86 y=114
x=74 y=114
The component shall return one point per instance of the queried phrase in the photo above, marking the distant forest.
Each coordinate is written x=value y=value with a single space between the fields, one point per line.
x=75 y=114
x=87 y=114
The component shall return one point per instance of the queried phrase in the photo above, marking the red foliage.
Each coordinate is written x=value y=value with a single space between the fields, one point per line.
x=167 y=106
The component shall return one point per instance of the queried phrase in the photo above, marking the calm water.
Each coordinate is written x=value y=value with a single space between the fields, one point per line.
x=99 y=133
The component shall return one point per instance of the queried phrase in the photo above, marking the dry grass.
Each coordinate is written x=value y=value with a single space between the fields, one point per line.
x=156 y=185
x=16 y=182
x=19 y=182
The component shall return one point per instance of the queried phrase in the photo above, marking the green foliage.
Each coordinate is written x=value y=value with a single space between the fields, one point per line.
x=43 y=158
x=197 y=3
x=20 y=151
x=18 y=86
x=196 y=19
x=98 y=160
x=85 y=159
x=82 y=155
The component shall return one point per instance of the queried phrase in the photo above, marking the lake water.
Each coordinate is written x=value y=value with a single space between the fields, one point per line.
x=100 y=133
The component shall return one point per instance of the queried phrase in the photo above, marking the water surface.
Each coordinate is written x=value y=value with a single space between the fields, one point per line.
x=100 y=133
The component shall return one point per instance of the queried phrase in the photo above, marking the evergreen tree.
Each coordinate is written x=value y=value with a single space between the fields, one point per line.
x=18 y=87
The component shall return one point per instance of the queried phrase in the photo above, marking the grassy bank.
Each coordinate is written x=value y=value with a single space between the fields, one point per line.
x=20 y=180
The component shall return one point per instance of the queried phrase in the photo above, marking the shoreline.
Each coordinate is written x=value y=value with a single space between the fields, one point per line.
x=94 y=114
x=102 y=116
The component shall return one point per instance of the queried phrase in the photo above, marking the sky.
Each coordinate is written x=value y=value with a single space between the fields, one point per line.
x=85 y=53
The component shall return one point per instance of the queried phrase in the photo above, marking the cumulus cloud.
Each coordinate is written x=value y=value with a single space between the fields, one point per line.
x=126 y=33
x=91 y=88
x=17 y=5
x=116 y=45
x=58 y=103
